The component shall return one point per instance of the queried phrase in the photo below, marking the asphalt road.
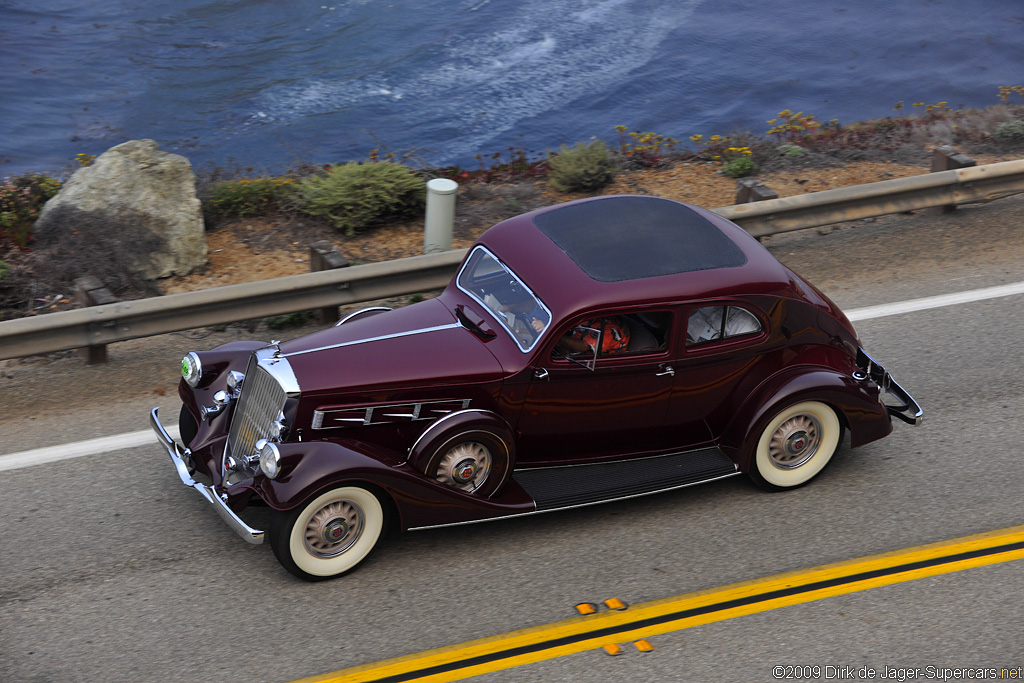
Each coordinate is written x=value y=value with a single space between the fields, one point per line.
x=110 y=570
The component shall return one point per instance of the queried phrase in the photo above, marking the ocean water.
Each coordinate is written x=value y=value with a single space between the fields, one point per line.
x=269 y=84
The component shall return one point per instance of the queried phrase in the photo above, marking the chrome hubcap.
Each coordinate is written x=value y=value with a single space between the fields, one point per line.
x=334 y=529
x=464 y=471
x=795 y=442
x=465 y=466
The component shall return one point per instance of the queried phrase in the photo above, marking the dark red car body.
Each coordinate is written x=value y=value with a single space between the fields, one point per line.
x=370 y=402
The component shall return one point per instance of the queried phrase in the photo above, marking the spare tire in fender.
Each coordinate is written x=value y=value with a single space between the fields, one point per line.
x=470 y=450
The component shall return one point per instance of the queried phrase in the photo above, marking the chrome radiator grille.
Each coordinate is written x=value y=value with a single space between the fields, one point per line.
x=261 y=401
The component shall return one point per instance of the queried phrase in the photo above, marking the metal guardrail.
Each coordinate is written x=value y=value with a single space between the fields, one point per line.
x=960 y=186
x=144 y=317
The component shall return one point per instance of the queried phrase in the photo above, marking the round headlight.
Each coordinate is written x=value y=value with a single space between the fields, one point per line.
x=235 y=381
x=270 y=459
x=192 y=369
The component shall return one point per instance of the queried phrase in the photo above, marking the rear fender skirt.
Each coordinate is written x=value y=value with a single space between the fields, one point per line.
x=859 y=409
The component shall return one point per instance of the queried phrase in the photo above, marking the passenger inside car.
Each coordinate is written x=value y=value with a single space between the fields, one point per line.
x=619 y=334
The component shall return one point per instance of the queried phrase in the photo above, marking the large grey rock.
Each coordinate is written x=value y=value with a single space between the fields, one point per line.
x=136 y=182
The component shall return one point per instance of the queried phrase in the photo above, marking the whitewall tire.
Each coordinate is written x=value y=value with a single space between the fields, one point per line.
x=330 y=535
x=796 y=445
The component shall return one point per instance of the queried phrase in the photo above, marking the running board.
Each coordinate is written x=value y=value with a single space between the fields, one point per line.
x=574 y=485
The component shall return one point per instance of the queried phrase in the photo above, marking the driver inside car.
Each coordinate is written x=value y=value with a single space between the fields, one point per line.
x=525 y=314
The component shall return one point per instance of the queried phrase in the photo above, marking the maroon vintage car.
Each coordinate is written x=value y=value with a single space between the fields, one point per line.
x=584 y=353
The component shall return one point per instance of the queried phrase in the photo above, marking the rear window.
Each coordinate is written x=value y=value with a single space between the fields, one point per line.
x=715 y=323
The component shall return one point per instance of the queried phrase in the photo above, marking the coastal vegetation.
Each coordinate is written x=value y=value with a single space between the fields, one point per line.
x=387 y=187
x=249 y=197
x=582 y=168
x=791 y=138
x=355 y=196
x=21 y=199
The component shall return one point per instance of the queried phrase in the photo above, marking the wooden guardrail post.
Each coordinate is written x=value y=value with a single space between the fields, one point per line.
x=753 y=190
x=945 y=158
x=325 y=256
x=89 y=291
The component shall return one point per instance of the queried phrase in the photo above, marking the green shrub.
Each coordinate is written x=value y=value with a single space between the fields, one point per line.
x=21 y=199
x=249 y=197
x=739 y=167
x=356 y=196
x=1009 y=132
x=792 y=151
x=581 y=168
x=4 y=269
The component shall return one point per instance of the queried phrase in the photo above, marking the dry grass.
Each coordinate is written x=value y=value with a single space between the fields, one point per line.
x=247 y=250
x=256 y=249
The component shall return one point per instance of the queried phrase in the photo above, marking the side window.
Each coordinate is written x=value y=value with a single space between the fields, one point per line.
x=712 y=323
x=615 y=335
x=704 y=325
x=740 y=322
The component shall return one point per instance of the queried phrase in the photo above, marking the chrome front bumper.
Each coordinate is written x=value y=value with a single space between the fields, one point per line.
x=177 y=455
x=908 y=409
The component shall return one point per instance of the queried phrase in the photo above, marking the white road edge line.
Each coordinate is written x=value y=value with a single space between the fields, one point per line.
x=41 y=456
x=939 y=301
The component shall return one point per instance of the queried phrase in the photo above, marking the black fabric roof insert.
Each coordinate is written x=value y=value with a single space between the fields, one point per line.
x=629 y=238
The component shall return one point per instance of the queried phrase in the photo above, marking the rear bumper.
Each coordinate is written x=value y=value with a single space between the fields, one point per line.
x=907 y=409
x=178 y=455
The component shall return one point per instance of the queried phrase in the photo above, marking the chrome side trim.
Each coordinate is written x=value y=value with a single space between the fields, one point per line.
x=355 y=342
x=360 y=312
x=573 y=507
x=176 y=453
x=439 y=423
x=364 y=416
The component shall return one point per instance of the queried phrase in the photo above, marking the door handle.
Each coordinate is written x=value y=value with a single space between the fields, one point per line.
x=667 y=371
x=541 y=373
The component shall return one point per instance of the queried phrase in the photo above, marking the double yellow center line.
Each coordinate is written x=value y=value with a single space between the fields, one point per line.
x=562 y=638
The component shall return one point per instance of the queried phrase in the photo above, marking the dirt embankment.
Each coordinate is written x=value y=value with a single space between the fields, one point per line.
x=248 y=250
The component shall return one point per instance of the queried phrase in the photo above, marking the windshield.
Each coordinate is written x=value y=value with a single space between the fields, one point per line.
x=503 y=294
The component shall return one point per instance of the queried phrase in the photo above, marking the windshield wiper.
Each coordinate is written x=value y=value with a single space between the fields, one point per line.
x=472 y=326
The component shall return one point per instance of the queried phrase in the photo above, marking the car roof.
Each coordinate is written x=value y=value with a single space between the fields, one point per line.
x=629 y=238
x=625 y=249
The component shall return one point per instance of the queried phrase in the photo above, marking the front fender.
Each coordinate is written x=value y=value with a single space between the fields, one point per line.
x=856 y=402
x=216 y=364
x=309 y=468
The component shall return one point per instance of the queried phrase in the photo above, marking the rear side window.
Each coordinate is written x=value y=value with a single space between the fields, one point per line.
x=714 y=323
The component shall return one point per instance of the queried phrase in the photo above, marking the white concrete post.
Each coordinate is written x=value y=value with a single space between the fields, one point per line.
x=437 y=235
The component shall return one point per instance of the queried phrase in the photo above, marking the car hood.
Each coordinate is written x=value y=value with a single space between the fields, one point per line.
x=419 y=345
